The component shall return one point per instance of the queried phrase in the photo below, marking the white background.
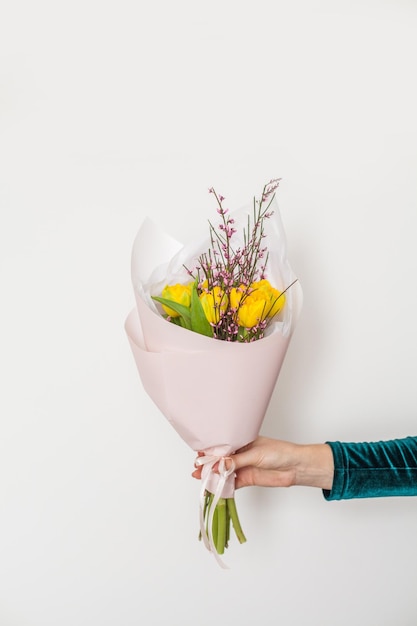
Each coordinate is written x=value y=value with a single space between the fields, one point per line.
x=111 y=111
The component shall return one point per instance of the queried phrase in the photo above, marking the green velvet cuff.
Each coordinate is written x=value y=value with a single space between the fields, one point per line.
x=372 y=470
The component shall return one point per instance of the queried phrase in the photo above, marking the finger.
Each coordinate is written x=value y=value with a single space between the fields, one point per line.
x=245 y=458
x=197 y=473
x=244 y=478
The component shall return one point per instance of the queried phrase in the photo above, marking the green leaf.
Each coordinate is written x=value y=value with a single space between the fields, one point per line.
x=182 y=310
x=178 y=321
x=199 y=321
x=242 y=334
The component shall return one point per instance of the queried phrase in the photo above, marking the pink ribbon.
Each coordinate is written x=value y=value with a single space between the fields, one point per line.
x=225 y=481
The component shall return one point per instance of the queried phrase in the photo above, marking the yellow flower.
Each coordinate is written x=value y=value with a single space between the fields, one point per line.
x=251 y=312
x=181 y=294
x=262 y=301
x=276 y=299
x=236 y=294
x=214 y=304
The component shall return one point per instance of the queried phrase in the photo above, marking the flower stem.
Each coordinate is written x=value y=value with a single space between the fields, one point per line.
x=231 y=505
x=209 y=500
x=215 y=527
x=220 y=540
x=227 y=526
x=224 y=514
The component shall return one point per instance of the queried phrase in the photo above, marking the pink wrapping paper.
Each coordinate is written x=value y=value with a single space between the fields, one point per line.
x=213 y=398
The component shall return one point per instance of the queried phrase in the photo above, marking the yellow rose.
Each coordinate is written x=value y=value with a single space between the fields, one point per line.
x=181 y=294
x=214 y=304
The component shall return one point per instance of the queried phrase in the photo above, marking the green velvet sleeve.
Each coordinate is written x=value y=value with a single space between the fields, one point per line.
x=374 y=469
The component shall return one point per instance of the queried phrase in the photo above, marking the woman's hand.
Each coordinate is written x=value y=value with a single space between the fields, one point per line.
x=274 y=463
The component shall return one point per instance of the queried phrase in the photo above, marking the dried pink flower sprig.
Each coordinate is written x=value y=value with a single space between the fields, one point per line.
x=230 y=277
x=240 y=265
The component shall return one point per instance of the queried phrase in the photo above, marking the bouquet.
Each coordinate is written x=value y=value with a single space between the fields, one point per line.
x=209 y=334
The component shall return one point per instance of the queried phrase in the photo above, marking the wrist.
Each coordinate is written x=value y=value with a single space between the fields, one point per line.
x=315 y=467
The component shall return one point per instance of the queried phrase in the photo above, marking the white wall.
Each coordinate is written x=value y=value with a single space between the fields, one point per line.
x=114 y=110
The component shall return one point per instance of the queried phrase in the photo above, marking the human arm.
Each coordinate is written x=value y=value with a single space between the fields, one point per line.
x=374 y=469
x=342 y=470
x=274 y=463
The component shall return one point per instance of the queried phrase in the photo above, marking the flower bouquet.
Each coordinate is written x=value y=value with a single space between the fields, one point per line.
x=223 y=307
